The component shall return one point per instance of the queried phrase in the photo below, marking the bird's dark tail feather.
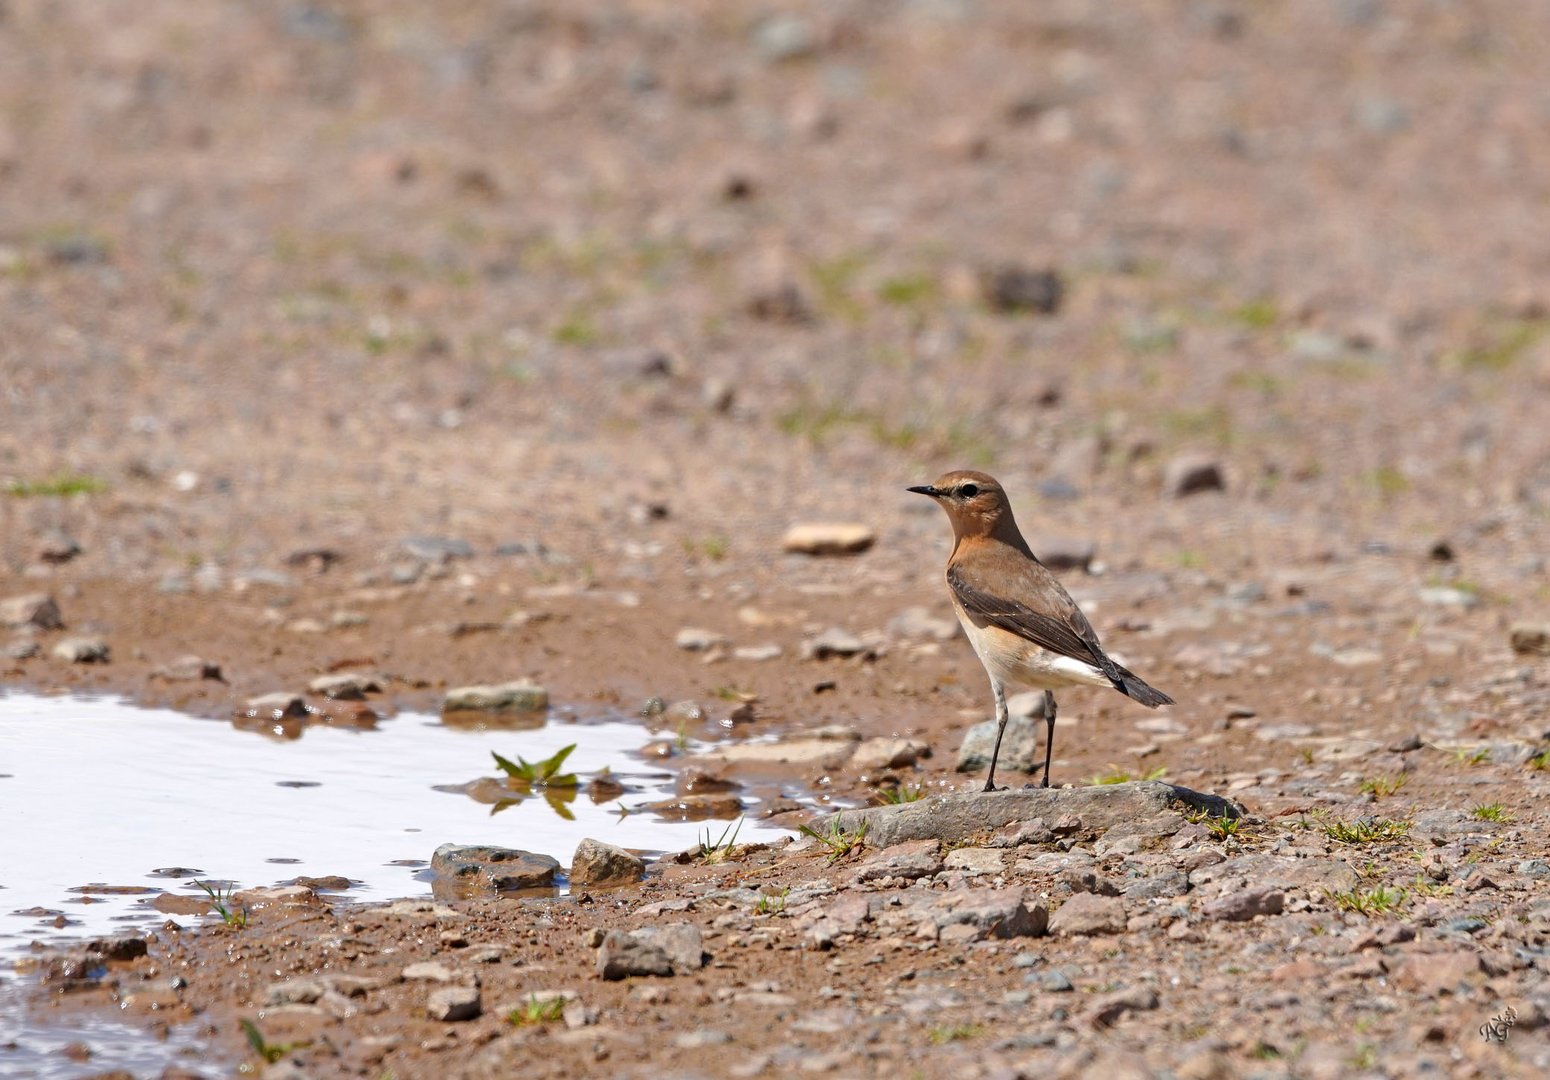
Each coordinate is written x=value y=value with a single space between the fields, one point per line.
x=1132 y=686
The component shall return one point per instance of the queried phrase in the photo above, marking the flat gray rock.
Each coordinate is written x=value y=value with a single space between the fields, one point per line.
x=460 y=872
x=520 y=696
x=1088 y=913
x=963 y=815
x=655 y=950
x=1278 y=872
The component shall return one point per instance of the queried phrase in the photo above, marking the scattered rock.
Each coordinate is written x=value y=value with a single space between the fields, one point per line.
x=1278 y=872
x=300 y=991
x=874 y=755
x=836 y=642
x=1530 y=639
x=985 y=913
x=345 y=686
x=1014 y=289
x=57 y=546
x=1021 y=745
x=975 y=860
x=451 y=1004
x=1063 y=555
x=1088 y=914
x=960 y=816
x=828 y=538
x=1188 y=474
x=694 y=639
x=1243 y=905
x=820 y=752
x=37 y=610
x=911 y=860
x=784 y=37
x=783 y=303
x=666 y=950
x=1435 y=974
x=477 y=870
x=428 y=971
x=188 y=669
x=82 y=650
x=1449 y=597
x=120 y=947
x=21 y=649
x=597 y=863
x=524 y=695
x=276 y=706
x=1107 y=1009
x=696 y=781
x=436 y=549
x=757 y=653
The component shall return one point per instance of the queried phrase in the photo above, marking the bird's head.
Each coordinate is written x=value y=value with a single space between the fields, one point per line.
x=975 y=502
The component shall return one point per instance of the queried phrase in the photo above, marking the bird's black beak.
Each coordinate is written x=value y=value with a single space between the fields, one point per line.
x=925 y=489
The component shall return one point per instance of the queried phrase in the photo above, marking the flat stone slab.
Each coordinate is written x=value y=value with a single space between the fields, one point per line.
x=961 y=816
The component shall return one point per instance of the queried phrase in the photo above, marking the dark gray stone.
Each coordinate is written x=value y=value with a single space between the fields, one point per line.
x=460 y=872
x=622 y=955
x=1244 y=904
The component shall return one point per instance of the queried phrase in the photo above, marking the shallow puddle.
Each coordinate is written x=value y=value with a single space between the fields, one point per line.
x=105 y=806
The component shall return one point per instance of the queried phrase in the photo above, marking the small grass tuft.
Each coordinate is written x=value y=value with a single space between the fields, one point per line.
x=773 y=905
x=1259 y=314
x=1377 y=901
x=537 y=1010
x=1222 y=827
x=1492 y=812
x=839 y=842
x=1466 y=758
x=59 y=485
x=946 y=1033
x=903 y=793
x=1381 y=787
x=1540 y=762
x=1365 y=831
x=721 y=849
x=1117 y=775
x=221 y=904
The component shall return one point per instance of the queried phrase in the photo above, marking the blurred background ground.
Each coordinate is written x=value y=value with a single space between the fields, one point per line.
x=326 y=325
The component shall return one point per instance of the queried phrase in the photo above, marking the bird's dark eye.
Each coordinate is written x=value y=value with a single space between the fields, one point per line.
x=968 y=491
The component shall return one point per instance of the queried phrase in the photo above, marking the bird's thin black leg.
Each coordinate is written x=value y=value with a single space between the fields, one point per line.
x=990 y=781
x=1049 y=731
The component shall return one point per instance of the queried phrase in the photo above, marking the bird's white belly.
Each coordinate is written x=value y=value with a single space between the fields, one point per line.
x=1012 y=659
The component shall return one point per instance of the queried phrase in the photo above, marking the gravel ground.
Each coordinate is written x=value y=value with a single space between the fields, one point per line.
x=509 y=340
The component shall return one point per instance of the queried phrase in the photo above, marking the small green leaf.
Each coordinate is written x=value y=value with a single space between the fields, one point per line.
x=255 y=1038
x=515 y=771
x=548 y=768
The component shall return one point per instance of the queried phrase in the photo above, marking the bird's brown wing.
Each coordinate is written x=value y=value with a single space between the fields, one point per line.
x=1042 y=611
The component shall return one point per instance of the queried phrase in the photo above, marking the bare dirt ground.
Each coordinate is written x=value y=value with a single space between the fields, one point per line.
x=473 y=341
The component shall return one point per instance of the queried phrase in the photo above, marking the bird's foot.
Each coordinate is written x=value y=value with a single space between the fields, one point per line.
x=992 y=787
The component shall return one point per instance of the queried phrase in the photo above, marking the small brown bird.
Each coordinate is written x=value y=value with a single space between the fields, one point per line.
x=1024 y=627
